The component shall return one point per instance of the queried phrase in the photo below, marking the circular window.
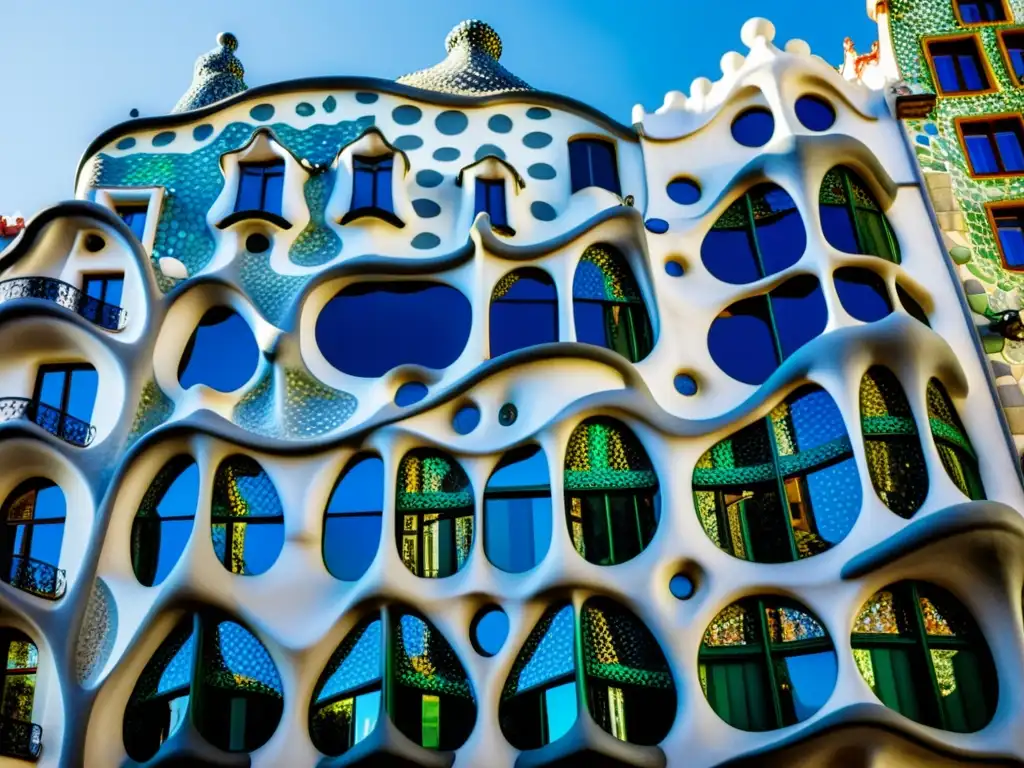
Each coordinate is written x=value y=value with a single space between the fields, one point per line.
x=685 y=384
x=684 y=191
x=768 y=663
x=257 y=243
x=754 y=128
x=681 y=586
x=815 y=113
x=489 y=630
x=409 y=393
x=674 y=268
x=466 y=419
x=94 y=243
x=508 y=414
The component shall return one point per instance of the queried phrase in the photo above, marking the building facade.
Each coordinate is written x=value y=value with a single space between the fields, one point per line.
x=446 y=420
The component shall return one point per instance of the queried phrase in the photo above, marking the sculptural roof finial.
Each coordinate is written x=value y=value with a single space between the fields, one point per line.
x=217 y=75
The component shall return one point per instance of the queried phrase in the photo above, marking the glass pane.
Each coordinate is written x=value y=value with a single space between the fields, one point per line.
x=362 y=189
x=46 y=541
x=741 y=341
x=981 y=154
x=875 y=230
x=273 y=192
x=970 y=68
x=547 y=654
x=780 y=230
x=517 y=531
x=728 y=248
x=382 y=199
x=945 y=68
x=894 y=677
x=114 y=291
x=524 y=312
x=1010 y=150
x=18 y=695
x=221 y=354
x=808 y=682
x=367 y=709
x=739 y=692
x=51 y=388
x=798 y=308
x=82 y=397
x=737 y=624
x=250 y=189
x=350 y=545
x=863 y=294
x=560 y=707
x=837 y=224
x=1011 y=238
x=883 y=614
x=50 y=503
x=361 y=488
x=431 y=722
x=173 y=537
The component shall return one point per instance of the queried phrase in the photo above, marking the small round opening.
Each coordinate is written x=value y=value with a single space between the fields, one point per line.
x=674 y=268
x=685 y=384
x=507 y=415
x=683 y=190
x=657 y=226
x=94 y=243
x=754 y=128
x=815 y=113
x=681 y=586
x=466 y=419
x=257 y=243
x=489 y=630
x=410 y=393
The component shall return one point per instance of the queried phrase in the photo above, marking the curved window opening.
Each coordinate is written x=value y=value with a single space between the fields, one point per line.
x=766 y=663
x=815 y=113
x=369 y=328
x=34 y=513
x=785 y=487
x=629 y=690
x=913 y=309
x=608 y=307
x=22 y=739
x=955 y=449
x=754 y=127
x=611 y=492
x=260 y=187
x=63 y=400
x=517 y=511
x=371 y=189
x=894 y=456
x=524 y=311
x=163 y=522
x=851 y=218
x=758 y=235
x=863 y=294
x=434 y=504
x=751 y=338
x=222 y=352
x=922 y=654
x=352 y=522
x=213 y=675
x=489 y=630
x=592 y=164
x=247 y=520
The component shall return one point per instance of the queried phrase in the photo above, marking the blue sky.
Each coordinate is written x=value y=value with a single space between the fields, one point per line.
x=73 y=68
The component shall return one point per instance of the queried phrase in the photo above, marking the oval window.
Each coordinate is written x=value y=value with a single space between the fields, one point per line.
x=814 y=113
x=754 y=127
x=222 y=352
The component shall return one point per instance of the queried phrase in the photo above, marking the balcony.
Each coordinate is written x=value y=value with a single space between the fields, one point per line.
x=107 y=316
x=20 y=740
x=53 y=420
x=37 y=577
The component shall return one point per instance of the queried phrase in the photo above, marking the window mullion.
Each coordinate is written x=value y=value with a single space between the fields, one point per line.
x=922 y=637
x=194 y=704
x=608 y=527
x=851 y=202
x=766 y=646
x=752 y=224
x=780 y=482
x=387 y=703
x=639 y=527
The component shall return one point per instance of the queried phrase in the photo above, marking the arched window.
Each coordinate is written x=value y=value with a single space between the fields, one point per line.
x=231 y=695
x=608 y=308
x=951 y=439
x=353 y=518
x=766 y=663
x=922 y=654
x=247 y=518
x=611 y=492
x=163 y=522
x=21 y=737
x=517 y=511
x=758 y=235
x=785 y=487
x=423 y=689
x=524 y=311
x=222 y=352
x=628 y=688
x=434 y=504
x=851 y=218
x=894 y=456
x=35 y=513
x=63 y=399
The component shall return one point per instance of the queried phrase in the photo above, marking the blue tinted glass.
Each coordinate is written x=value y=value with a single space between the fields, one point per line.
x=370 y=328
x=590 y=325
x=273 y=192
x=973 y=80
x=250 y=190
x=1010 y=150
x=114 y=291
x=560 y=706
x=681 y=586
x=969 y=13
x=1012 y=240
x=222 y=352
x=45 y=543
x=82 y=396
x=51 y=388
x=838 y=228
x=350 y=545
x=50 y=504
x=729 y=255
x=1017 y=56
x=815 y=113
x=741 y=342
x=174 y=535
x=979 y=150
x=525 y=315
x=527 y=471
x=946 y=70
x=754 y=128
x=592 y=163
x=839 y=484
x=182 y=495
x=812 y=677
x=798 y=307
x=466 y=419
x=94 y=287
x=517 y=512
x=490 y=630
x=361 y=488
x=409 y=393
x=362 y=189
x=684 y=191
x=780 y=230
x=263 y=542
x=383 y=198
x=135 y=218
x=685 y=384
x=862 y=293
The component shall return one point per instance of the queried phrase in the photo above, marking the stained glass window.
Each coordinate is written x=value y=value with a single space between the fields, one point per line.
x=951 y=439
x=163 y=522
x=851 y=218
x=922 y=654
x=517 y=511
x=608 y=307
x=629 y=689
x=222 y=352
x=758 y=235
x=895 y=461
x=784 y=488
x=19 y=676
x=611 y=492
x=247 y=518
x=213 y=671
x=34 y=515
x=766 y=663
x=434 y=512
x=524 y=311
x=352 y=522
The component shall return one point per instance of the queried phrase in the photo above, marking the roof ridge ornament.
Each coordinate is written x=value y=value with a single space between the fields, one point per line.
x=471 y=67
x=218 y=74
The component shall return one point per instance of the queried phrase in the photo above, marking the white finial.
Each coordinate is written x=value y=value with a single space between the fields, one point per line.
x=756 y=29
x=700 y=88
x=798 y=47
x=673 y=100
x=639 y=113
x=731 y=62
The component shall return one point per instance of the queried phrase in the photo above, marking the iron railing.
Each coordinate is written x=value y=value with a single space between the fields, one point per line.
x=20 y=740
x=37 y=577
x=108 y=316
x=53 y=420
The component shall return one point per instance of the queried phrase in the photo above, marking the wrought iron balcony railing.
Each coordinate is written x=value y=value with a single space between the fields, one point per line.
x=20 y=740
x=108 y=316
x=53 y=420
x=37 y=577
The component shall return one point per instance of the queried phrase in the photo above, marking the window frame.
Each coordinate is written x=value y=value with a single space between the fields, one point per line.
x=985 y=68
x=1004 y=48
x=553 y=303
x=484 y=190
x=133 y=209
x=11 y=554
x=991 y=211
x=245 y=169
x=588 y=140
x=8 y=636
x=990 y=121
x=895 y=253
x=533 y=492
x=68 y=369
x=376 y=169
x=351 y=464
x=105 y=278
x=1007 y=16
